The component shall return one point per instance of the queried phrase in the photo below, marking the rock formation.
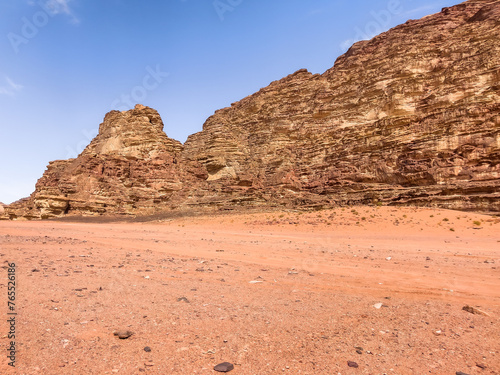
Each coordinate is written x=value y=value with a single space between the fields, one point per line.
x=130 y=167
x=409 y=117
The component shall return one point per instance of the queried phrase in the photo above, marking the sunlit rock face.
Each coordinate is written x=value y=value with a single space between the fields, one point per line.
x=131 y=167
x=409 y=117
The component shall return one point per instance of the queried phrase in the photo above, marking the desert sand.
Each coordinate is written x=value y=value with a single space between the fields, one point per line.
x=272 y=293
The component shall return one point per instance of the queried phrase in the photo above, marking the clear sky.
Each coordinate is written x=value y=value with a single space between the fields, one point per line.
x=65 y=63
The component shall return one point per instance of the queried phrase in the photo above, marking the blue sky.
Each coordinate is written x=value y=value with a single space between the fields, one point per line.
x=65 y=63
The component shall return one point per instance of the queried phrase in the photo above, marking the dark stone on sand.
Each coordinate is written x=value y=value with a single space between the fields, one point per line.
x=224 y=367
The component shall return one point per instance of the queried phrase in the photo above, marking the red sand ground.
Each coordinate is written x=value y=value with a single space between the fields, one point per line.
x=311 y=311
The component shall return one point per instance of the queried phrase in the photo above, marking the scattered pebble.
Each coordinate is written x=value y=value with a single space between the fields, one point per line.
x=147 y=349
x=224 y=367
x=180 y=299
x=474 y=310
x=352 y=364
x=378 y=305
x=123 y=334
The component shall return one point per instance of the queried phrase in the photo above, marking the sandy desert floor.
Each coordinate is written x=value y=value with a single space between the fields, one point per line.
x=272 y=293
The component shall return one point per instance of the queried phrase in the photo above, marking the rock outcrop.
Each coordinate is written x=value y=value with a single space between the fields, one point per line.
x=409 y=117
x=130 y=167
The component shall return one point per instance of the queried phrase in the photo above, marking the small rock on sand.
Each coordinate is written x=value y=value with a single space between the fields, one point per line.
x=224 y=367
x=474 y=310
x=352 y=364
x=123 y=334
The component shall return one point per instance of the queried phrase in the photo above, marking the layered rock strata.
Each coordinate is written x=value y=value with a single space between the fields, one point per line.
x=130 y=167
x=409 y=117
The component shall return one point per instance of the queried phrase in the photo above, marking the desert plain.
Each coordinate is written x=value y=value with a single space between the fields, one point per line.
x=283 y=292
x=311 y=264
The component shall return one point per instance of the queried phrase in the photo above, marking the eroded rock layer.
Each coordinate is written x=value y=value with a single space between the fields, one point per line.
x=409 y=117
x=130 y=167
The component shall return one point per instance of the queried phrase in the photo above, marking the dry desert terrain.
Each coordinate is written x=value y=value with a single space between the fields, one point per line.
x=272 y=293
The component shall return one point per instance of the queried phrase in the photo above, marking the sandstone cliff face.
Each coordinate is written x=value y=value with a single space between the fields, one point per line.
x=131 y=167
x=409 y=117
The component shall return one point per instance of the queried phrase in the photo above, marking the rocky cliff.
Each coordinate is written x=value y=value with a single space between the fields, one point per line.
x=409 y=117
x=130 y=167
